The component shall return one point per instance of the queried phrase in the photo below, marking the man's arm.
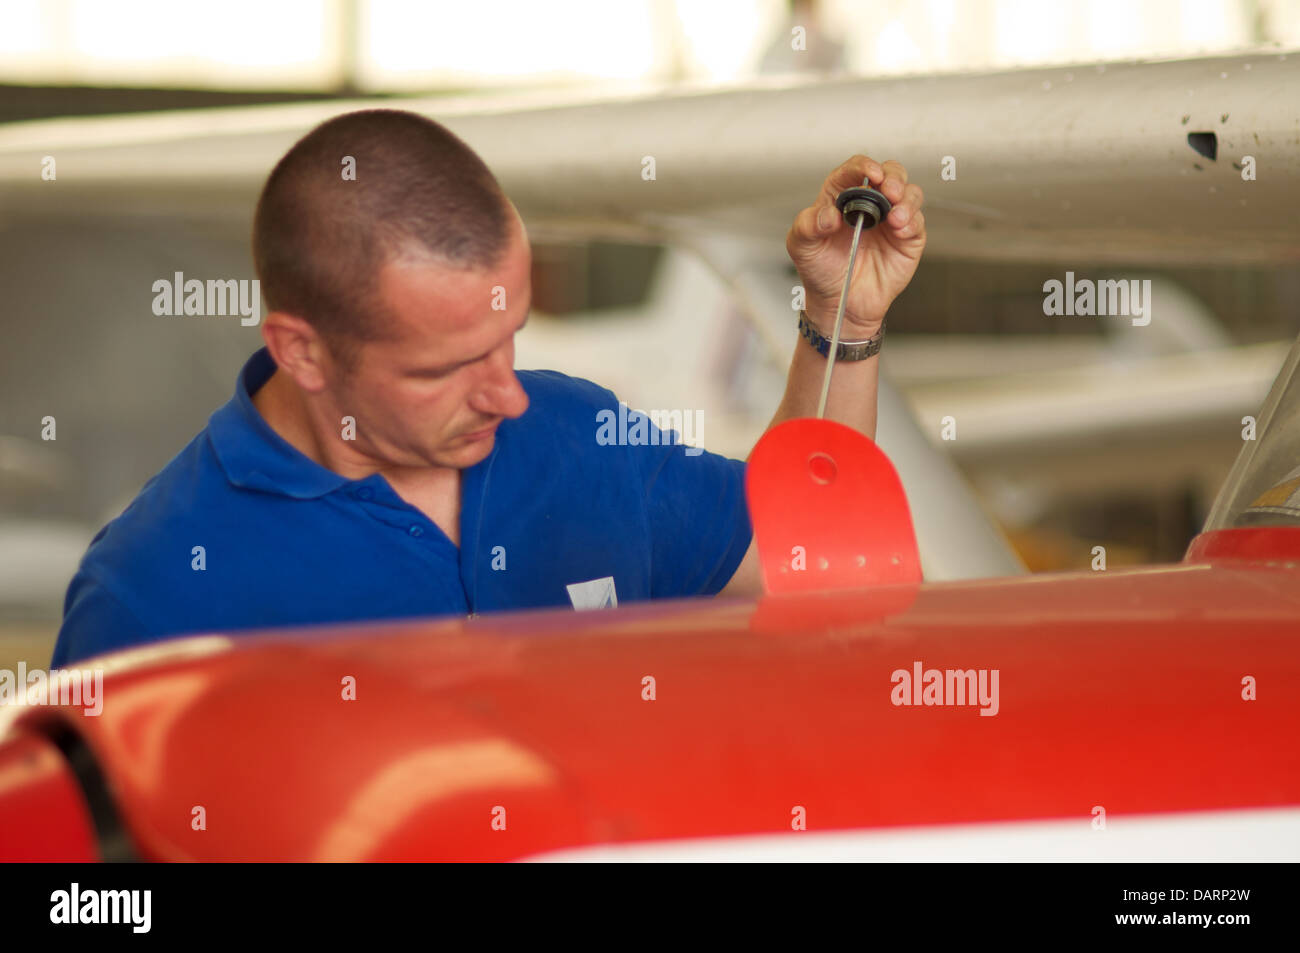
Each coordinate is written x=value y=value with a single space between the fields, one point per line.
x=818 y=243
x=94 y=622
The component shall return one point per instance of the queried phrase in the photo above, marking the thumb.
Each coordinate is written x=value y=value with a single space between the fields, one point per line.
x=811 y=228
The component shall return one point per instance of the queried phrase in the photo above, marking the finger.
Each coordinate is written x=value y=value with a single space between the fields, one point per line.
x=810 y=228
x=847 y=175
x=894 y=167
x=894 y=184
x=914 y=228
x=910 y=204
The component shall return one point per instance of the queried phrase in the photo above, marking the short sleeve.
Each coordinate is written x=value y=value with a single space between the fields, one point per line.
x=696 y=513
x=94 y=622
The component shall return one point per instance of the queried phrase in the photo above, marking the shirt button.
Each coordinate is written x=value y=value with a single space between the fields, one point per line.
x=365 y=493
x=415 y=530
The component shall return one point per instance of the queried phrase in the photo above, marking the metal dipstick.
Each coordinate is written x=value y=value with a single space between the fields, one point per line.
x=864 y=204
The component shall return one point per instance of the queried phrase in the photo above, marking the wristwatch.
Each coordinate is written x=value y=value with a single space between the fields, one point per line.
x=848 y=350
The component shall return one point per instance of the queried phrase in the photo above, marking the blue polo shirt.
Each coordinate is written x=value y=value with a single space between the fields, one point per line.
x=240 y=530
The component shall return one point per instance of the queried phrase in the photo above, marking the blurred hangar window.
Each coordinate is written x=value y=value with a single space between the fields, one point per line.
x=574 y=278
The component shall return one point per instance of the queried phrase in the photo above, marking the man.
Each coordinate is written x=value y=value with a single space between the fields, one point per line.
x=382 y=458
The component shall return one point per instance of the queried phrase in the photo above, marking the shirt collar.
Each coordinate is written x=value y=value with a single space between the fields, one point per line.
x=256 y=457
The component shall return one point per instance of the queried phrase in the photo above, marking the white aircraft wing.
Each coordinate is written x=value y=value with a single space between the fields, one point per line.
x=1069 y=163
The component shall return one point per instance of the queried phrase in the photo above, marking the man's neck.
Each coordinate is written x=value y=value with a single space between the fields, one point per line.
x=434 y=491
x=281 y=407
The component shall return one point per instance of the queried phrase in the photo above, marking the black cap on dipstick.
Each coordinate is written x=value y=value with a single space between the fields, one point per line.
x=871 y=204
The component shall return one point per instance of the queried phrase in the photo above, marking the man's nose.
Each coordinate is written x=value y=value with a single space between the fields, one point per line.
x=501 y=394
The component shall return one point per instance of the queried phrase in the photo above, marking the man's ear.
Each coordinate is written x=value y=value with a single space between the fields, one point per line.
x=298 y=350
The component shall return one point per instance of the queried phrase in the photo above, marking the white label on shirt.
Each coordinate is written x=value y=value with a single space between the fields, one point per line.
x=595 y=594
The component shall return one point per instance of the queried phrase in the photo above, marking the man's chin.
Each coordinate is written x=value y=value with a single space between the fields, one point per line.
x=468 y=453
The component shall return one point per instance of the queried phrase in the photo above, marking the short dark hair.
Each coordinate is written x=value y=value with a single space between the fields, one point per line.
x=320 y=239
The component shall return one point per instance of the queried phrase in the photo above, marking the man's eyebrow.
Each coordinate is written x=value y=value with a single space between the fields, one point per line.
x=448 y=368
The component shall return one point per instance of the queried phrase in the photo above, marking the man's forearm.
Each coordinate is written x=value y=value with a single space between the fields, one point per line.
x=819 y=243
x=852 y=397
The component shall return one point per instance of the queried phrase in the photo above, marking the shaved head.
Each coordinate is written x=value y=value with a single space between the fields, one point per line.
x=358 y=192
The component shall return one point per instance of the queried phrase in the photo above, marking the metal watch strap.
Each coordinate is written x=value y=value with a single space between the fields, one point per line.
x=848 y=350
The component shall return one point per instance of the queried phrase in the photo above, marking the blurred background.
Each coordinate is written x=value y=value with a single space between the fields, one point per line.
x=665 y=317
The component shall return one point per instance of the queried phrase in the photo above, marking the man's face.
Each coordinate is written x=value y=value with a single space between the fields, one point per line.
x=433 y=392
